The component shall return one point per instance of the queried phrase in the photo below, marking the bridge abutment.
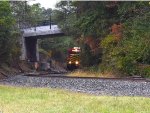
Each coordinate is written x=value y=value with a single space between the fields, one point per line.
x=29 y=40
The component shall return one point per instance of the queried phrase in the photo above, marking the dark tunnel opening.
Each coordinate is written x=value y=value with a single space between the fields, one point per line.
x=31 y=49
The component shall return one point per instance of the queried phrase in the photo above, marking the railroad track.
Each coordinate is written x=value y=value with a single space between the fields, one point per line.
x=57 y=75
x=129 y=86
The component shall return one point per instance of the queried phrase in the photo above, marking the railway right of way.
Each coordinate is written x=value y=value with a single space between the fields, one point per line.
x=111 y=87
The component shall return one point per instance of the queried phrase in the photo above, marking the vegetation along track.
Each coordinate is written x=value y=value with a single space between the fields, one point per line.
x=90 y=85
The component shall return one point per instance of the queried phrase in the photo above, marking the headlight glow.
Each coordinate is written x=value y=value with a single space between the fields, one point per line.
x=76 y=62
x=69 y=62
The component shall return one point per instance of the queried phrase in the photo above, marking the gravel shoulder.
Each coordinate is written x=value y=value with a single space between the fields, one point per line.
x=90 y=86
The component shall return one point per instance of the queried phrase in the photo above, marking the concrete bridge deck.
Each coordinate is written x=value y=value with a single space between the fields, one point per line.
x=42 y=31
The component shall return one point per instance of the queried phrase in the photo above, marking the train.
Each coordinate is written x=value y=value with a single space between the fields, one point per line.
x=73 y=58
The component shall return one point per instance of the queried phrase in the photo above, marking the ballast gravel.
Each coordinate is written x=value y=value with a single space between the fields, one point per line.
x=90 y=86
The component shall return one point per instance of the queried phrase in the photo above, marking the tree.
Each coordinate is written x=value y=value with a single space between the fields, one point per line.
x=6 y=32
x=122 y=28
x=57 y=46
x=29 y=16
x=131 y=51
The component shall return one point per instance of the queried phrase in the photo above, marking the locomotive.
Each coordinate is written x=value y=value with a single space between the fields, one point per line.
x=73 y=59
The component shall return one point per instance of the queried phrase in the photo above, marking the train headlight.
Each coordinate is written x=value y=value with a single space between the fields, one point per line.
x=77 y=62
x=69 y=62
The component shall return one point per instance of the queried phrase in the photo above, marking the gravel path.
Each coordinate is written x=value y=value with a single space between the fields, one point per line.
x=91 y=86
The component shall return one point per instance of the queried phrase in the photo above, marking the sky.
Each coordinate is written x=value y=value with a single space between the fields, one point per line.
x=45 y=3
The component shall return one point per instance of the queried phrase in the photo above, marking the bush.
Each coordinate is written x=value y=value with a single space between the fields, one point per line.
x=7 y=41
x=133 y=48
x=144 y=70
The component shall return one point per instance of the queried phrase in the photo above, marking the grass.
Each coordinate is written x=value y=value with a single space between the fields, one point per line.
x=81 y=73
x=44 y=100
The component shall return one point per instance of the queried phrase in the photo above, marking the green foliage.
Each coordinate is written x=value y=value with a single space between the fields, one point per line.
x=122 y=54
x=22 y=13
x=86 y=56
x=128 y=10
x=136 y=40
x=108 y=41
x=37 y=14
x=43 y=52
x=65 y=17
x=29 y=15
x=6 y=32
x=93 y=18
x=58 y=46
x=108 y=45
x=6 y=20
x=59 y=43
x=93 y=69
x=144 y=70
x=133 y=49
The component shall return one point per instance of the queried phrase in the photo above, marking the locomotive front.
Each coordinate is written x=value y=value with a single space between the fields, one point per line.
x=73 y=59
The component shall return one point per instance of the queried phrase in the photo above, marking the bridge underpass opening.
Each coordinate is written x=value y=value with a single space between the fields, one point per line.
x=31 y=49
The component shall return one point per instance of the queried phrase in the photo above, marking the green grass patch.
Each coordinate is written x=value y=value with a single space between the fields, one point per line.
x=88 y=73
x=44 y=100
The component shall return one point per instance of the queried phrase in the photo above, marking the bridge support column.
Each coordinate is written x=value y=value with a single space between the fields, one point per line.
x=23 y=49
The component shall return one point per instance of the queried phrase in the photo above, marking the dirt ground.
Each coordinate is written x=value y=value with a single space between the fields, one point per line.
x=6 y=70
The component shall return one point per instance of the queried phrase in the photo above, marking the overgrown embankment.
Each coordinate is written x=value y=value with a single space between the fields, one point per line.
x=14 y=69
x=114 y=36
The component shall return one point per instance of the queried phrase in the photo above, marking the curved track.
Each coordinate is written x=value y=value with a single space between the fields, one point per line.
x=91 y=85
x=57 y=75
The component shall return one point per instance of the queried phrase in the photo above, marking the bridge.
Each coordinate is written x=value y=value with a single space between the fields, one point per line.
x=29 y=40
